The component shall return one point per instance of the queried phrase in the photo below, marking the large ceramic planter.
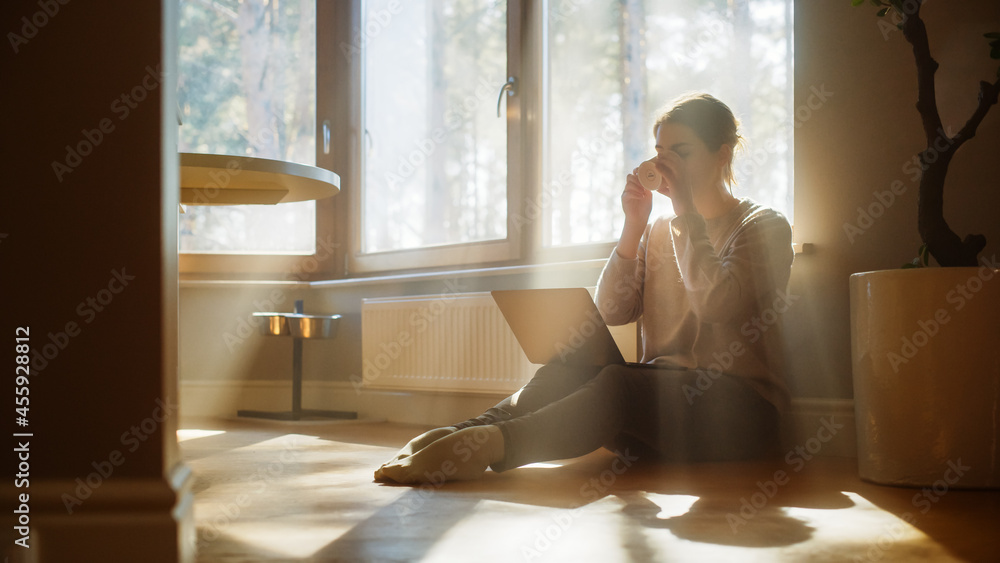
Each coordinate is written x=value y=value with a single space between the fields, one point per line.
x=925 y=347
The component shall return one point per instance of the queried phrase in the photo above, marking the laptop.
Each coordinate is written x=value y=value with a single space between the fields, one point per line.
x=559 y=326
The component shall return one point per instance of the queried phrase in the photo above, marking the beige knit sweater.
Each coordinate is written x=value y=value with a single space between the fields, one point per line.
x=710 y=295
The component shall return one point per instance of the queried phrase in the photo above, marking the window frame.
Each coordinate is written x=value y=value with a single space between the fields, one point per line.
x=328 y=253
x=339 y=223
x=482 y=253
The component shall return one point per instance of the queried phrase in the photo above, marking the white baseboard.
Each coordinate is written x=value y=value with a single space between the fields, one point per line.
x=431 y=408
x=823 y=427
x=221 y=399
x=113 y=519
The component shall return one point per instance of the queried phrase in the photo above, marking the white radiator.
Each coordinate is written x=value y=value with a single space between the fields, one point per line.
x=452 y=342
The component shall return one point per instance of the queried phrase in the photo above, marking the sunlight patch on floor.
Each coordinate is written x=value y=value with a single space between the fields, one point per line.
x=864 y=521
x=866 y=532
x=192 y=433
x=519 y=531
x=541 y=465
x=717 y=529
x=670 y=505
x=295 y=541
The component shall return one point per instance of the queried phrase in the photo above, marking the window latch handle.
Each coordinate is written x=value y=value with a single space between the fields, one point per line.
x=326 y=136
x=510 y=87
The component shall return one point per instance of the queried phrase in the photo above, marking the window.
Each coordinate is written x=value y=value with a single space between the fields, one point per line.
x=435 y=172
x=611 y=65
x=247 y=86
x=436 y=154
x=437 y=159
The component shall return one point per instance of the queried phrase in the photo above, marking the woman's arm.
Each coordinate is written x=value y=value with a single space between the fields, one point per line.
x=721 y=288
x=619 y=289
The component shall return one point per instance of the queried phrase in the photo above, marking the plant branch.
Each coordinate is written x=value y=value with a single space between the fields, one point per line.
x=942 y=242
x=915 y=33
x=988 y=94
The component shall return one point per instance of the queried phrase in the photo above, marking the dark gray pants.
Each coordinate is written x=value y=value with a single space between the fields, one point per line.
x=569 y=411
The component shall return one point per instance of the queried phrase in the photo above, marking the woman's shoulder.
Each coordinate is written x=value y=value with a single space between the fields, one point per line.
x=753 y=213
x=764 y=228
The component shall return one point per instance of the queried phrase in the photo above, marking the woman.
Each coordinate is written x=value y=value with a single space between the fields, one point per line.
x=707 y=284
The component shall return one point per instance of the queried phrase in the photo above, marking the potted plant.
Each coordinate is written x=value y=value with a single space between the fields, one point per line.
x=924 y=341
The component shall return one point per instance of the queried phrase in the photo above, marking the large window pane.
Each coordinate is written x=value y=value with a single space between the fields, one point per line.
x=247 y=86
x=435 y=151
x=611 y=64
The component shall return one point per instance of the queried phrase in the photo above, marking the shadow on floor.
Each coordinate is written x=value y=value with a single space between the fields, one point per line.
x=717 y=514
x=415 y=522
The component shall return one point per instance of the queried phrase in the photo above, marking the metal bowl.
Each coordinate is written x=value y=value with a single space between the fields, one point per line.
x=275 y=324
x=313 y=326
x=298 y=325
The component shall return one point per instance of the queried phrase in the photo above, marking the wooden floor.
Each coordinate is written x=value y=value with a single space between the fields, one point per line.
x=271 y=491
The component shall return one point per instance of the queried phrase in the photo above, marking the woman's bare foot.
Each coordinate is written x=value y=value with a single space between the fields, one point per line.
x=460 y=455
x=414 y=446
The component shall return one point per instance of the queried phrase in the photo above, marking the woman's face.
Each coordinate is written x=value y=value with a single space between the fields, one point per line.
x=703 y=168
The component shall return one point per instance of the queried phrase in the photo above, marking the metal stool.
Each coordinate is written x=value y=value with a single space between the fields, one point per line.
x=299 y=326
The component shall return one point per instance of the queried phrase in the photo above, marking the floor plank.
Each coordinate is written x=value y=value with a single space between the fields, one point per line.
x=273 y=491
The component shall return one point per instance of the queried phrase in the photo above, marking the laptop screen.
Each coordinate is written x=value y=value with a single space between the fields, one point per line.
x=558 y=326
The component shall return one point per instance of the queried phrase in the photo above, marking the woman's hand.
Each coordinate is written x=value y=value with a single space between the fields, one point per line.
x=676 y=185
x=637 y=202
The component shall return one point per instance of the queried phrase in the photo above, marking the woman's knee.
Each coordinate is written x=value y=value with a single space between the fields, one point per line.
x=565 y=371
x=610 y=376
x=550 y=383
x=634 y=382
x=614 y=370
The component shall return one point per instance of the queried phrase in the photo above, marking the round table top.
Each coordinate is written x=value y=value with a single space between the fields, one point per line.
x=220 y=179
